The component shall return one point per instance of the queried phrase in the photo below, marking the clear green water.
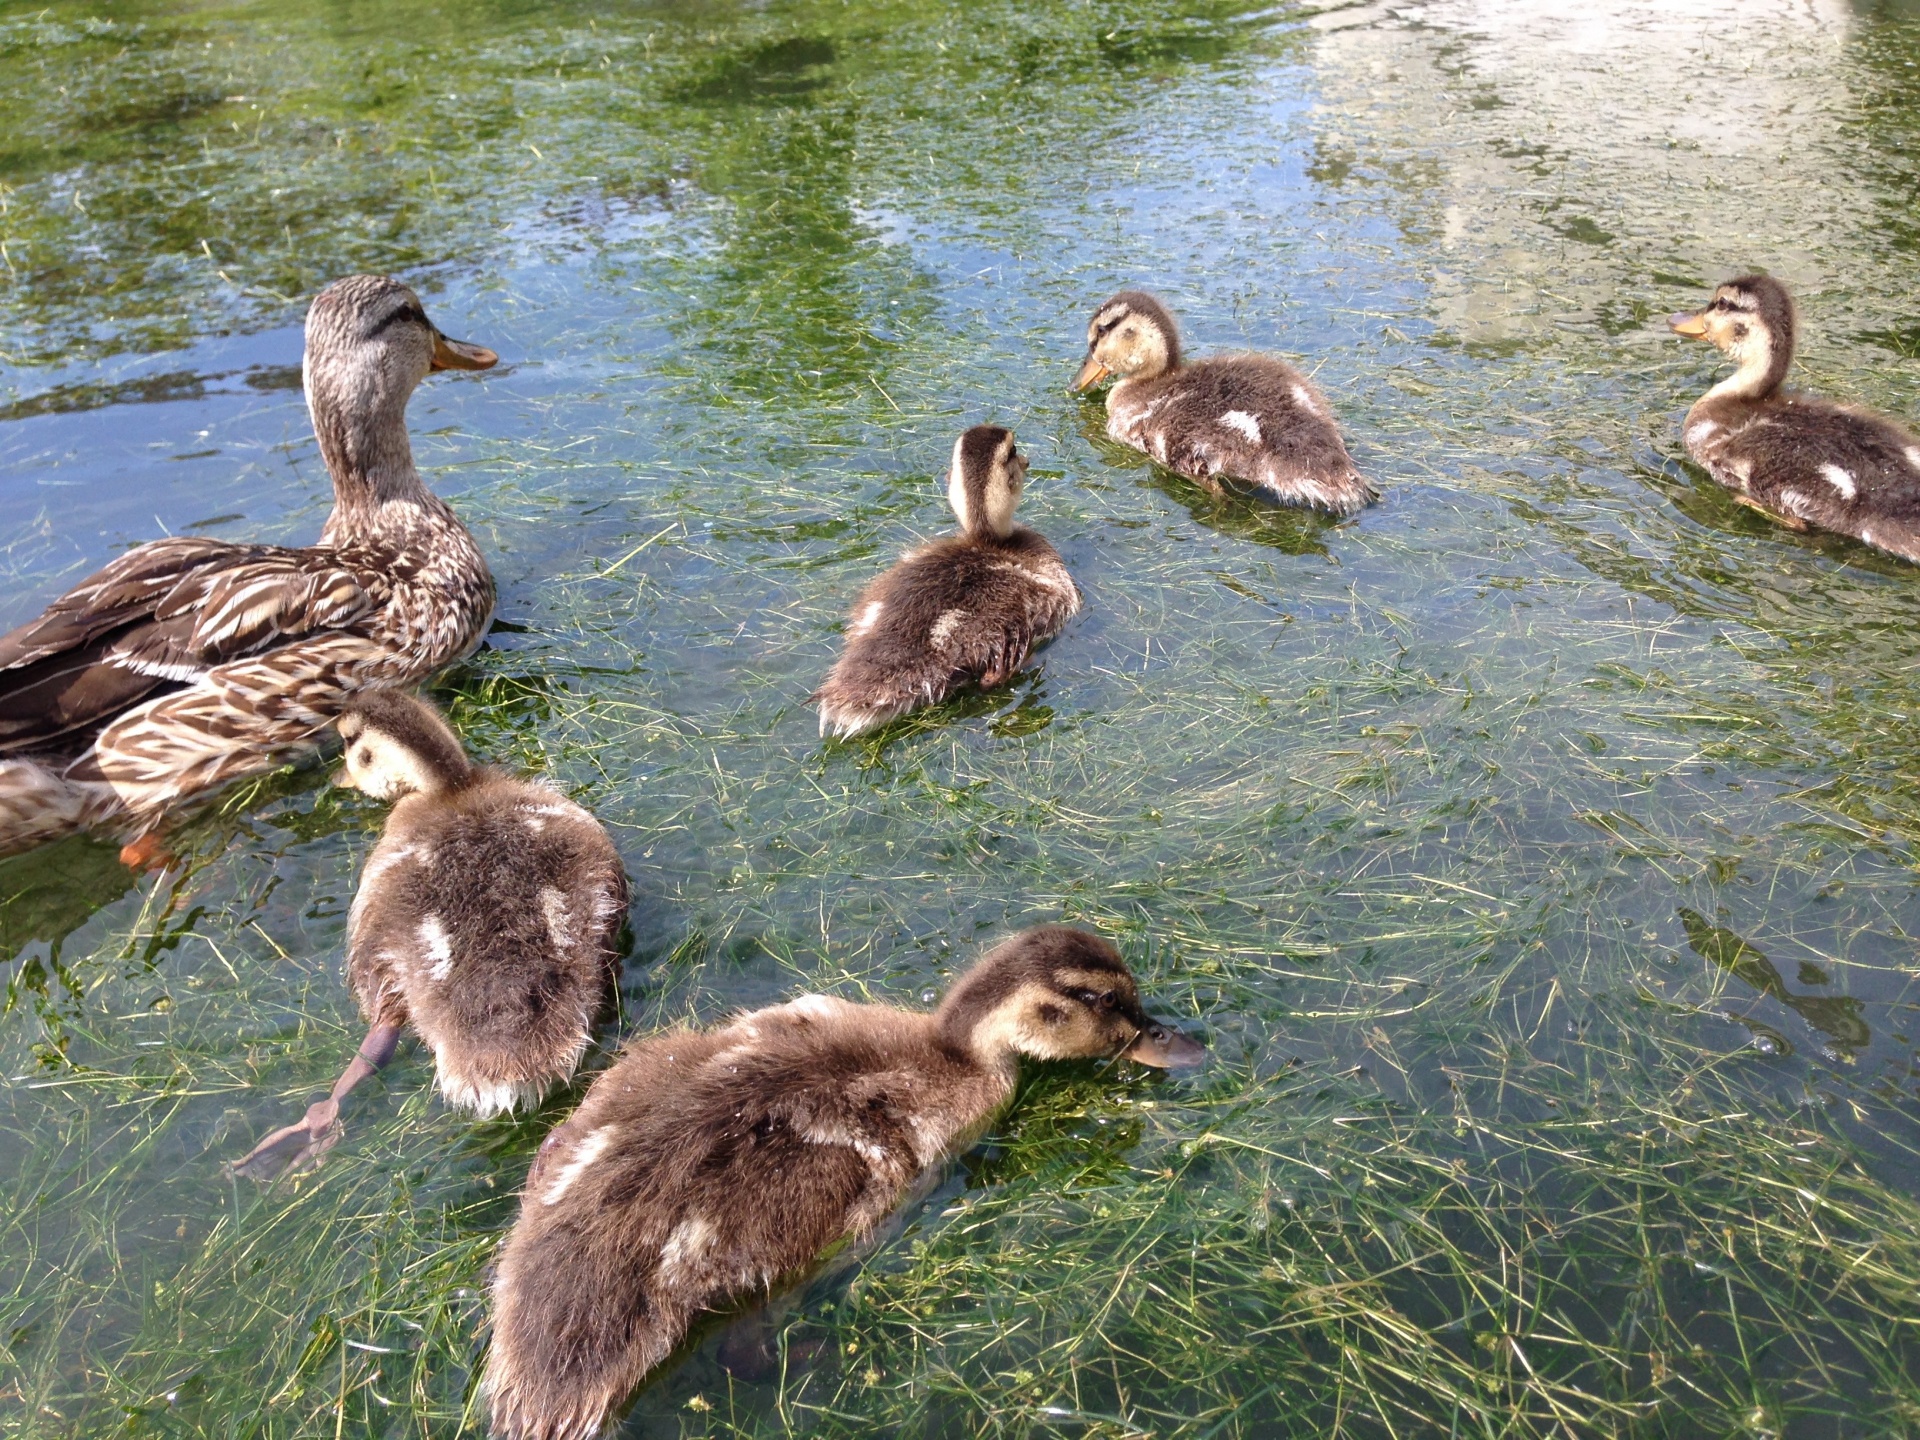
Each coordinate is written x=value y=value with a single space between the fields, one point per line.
x=1537 y=850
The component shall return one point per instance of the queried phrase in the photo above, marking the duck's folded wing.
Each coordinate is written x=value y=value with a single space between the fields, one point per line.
x=164 y=614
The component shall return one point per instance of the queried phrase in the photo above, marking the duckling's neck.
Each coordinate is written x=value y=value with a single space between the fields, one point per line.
x=363 y=439
x=1761 y=372
x=969 y=1021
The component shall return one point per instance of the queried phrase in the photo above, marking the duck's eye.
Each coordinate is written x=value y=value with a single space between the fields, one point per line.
x=1102 y=1002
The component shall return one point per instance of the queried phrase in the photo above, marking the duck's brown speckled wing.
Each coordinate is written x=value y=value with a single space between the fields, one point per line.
x=1248 y=418
x=951 y=613
x=233 y=720
x=165 y=615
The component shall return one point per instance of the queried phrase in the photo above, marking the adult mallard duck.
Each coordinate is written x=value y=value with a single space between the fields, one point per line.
x=969 y=608
x=1250 y=418
x=487 y=919
x=705 y=1166
x=1801 y=460
x=189 y=662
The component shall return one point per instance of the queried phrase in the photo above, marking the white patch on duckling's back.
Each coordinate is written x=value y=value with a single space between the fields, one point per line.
x=559 y=917
x=831 y=1134
x=1303 y=397
x=1060 y=583
x=1700 y=430
x=1841 y=480
x=1913 y=456
x=1243 y=421
x=584 y=1154
x=943 y=628
x=815 y=1007
x=689 y=1242
x=869 y=618
x=433 y=939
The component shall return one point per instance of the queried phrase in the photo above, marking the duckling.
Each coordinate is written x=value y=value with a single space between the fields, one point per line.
x=1250 y=418
x=1800 y=460
x=967 y=608
x=487 y=917
x=189 y=662
x=704 y=1166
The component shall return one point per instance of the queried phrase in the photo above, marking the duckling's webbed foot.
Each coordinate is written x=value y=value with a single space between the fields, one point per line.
x=300 y=1147
x=295 y=1148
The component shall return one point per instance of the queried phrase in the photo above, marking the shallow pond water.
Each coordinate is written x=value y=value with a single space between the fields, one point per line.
x=1536 y=850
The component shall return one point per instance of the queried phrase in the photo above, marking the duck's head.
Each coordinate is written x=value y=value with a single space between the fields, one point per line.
x=1132 y=336
x=1056 y=993
x=397 y=744
x=1751 y=322
x=369 y=343
x=984 y=486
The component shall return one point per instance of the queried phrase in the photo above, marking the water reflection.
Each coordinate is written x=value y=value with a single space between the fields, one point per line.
x=1838 y=1017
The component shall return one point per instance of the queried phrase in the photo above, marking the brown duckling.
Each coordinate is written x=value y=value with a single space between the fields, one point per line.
x=969 y=608
x=1798 y=459
x=1250 y=418
x=707 y=1165
x=488 y=918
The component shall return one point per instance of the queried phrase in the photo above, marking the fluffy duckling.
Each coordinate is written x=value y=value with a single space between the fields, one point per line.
x=189 y=662
x=967 y=608
x=1800 y=460
x=1250 y=418
x=705 y=1166
x=488 y=918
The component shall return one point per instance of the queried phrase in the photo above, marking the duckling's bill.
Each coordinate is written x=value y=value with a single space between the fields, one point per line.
x=1690 y=323
x=1091 y=374
x=1165 y=1048
x=461 y=355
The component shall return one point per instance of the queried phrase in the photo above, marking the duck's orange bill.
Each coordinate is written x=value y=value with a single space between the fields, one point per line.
x=1091 y=373
x=1692 y=326
x=459 y=355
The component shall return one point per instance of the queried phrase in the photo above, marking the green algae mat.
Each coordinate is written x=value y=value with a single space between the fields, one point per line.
x=1536 y=850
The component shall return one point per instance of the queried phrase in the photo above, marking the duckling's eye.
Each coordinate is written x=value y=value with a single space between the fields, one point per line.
x=1102 y=1002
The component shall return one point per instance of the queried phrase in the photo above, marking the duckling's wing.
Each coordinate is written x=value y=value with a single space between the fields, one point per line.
x=162 y=615
x=1254 y=419
x=1814 y=462
x=698 y=1169
x=950 y=614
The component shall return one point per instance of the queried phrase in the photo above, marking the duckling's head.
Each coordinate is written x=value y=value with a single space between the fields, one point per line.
x=1132 y=336
x=369 y=343
x=1751 y=322
x=984 y=486
x=397 y=744
x=1056 y=993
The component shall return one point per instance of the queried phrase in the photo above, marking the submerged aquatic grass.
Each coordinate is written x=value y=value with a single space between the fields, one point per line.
x=1536 y=849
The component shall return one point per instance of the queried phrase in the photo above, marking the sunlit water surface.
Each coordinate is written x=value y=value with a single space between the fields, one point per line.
x=1536 y=850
